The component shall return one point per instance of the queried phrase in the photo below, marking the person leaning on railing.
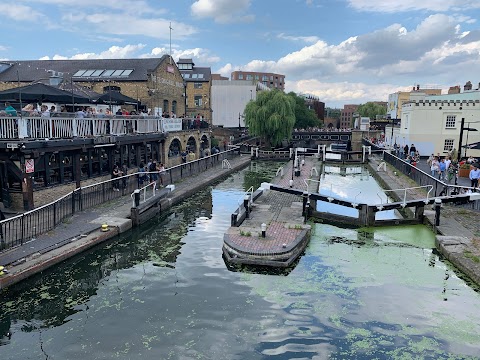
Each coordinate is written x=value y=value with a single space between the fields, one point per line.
x=10 y=110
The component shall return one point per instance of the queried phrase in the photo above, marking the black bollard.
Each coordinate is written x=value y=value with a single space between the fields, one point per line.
x=438 y=205
x=246 y=201
x=137 y=197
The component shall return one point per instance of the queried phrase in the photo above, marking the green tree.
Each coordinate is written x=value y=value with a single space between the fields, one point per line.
x=304 y=117
x=271 y=116
x=371 y=110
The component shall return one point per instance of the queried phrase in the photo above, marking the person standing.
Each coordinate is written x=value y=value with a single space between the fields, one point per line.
x=116 y=173
x=443 y=168
x=405 y=151
x=474 y=176
x=434 y=167
x=413 y=150
x=10 y=110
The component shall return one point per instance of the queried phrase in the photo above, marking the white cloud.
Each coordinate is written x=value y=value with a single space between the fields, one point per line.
x=411 y=5
x=114 y=52
x=201 y=57
x=20 y=12
x=222 y=11
x=134 y=25
x=3 y=48
x=306 y=39
x=352 y=70
x=343 y=92
x=140 y=6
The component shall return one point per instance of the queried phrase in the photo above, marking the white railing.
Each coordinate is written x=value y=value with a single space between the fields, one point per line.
x=404 y=202
x=16 y=128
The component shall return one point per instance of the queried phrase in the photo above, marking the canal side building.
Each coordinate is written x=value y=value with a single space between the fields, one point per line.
x=155 y=82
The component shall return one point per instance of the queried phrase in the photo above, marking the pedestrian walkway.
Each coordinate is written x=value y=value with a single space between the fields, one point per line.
x=80 y=227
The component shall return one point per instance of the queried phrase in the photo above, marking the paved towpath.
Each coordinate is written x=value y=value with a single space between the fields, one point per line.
x=458 y=236
x=82 y=223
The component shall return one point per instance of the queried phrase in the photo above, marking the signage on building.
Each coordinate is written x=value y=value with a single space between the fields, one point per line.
x=172 y=124
x=170 y=69
x=29 y=166
x=12 y=145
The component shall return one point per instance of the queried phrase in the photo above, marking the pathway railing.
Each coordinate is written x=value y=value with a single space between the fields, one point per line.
x=439 y=188
x=18 y=230
x=67 y=126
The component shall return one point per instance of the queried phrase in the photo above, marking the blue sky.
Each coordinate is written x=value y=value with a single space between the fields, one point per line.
x=343 y=51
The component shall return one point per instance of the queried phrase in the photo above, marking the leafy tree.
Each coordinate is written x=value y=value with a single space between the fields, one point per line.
x=304 y=117
x=371 y=110
x=333 y=113
x=271 y=116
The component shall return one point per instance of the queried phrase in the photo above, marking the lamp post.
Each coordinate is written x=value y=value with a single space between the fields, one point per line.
x=462 y=129
x=239 y=124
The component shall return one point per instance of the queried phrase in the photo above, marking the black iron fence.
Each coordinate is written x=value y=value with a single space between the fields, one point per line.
x=18 y=230
x=440 y=188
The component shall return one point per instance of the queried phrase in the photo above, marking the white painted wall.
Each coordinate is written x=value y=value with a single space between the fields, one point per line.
x=229 y=98
x=423 y=123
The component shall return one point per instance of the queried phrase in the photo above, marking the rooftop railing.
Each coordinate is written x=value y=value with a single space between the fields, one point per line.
x=66 y=125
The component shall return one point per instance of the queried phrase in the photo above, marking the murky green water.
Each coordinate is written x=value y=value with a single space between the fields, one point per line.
x=164 y=292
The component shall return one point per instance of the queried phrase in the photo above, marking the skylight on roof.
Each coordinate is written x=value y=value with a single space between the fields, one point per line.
x=88 y=73
x=97 y=72
x=117 y=72
x=79 y=73
x=108 y=73
x=126 y=72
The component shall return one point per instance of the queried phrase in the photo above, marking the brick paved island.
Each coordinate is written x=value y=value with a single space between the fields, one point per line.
x=286 y=235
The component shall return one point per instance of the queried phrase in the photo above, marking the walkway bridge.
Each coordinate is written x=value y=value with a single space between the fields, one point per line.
x=367 y=211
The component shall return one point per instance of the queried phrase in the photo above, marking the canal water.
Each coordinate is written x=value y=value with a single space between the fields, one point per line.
x=164 y=292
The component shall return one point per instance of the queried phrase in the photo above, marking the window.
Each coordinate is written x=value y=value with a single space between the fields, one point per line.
x=165 y=106
x=448 y=145
x=126 y=72
x=174 y=106
x=88 y=73
x=240 y=76
x=197 y=85
x=117 y=72
x=257 y=77
x=264 y=78
x=186 y=76
x=271 y=77
x=79 y=73
x=194 y=76
x=249 y=77
x=198 y=100
x=108 y=73
x=200 y=76
x=97 y=72
x=451 y=121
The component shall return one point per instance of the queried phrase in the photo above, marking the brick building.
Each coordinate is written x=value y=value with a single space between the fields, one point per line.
x=346 y=117
x=198 y=84
x=156 y=82
x=271 y=80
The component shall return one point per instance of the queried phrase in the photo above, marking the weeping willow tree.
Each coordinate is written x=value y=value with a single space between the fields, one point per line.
x=271 y=116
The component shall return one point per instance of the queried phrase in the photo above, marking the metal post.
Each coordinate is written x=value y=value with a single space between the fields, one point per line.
x=136 y=197
x=438 y=205
x=462 y=124
x=246 y=201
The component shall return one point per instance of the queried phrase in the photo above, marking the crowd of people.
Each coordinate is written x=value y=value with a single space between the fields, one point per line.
x=151 y=173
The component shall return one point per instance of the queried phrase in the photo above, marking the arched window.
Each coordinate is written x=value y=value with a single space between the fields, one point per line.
x=165 y=106
x=174 y=106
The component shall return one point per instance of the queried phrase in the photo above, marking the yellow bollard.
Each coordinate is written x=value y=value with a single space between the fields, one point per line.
x=105 y=227
x=1 y=271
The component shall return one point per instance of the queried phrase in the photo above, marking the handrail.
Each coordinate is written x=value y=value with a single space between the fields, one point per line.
x=249 y=193
x=405 y=193
x=15 y=230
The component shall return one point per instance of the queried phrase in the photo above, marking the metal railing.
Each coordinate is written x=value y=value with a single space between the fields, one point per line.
x=18 y=230
x=439 y=188
x=66 y=125
x=405 y=193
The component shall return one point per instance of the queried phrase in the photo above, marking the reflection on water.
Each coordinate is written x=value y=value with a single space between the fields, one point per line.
x=164 y=292
x=351 y=183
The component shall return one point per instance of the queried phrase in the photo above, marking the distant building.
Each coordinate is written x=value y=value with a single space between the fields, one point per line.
x=396 y=100
x=313 y=103
x=156 y=82
x=271 y=80
x=347 y=116
x=219 y=77
x=198 y=82
x=229 y=99
x=433 y=122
